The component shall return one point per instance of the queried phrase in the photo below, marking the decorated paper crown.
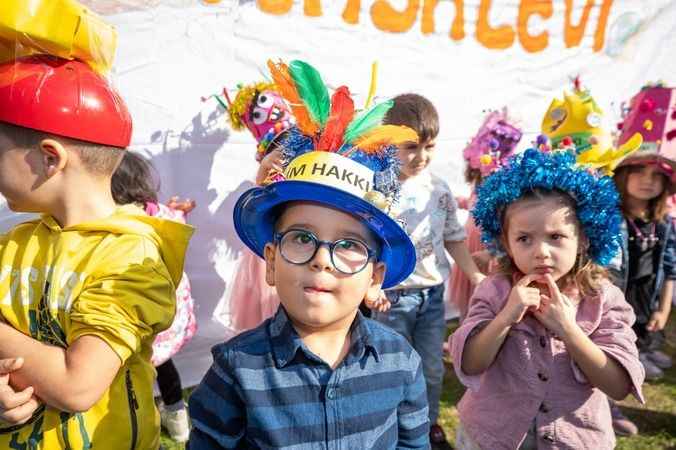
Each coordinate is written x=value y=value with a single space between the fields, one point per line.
x=51 y=78
x=260 y=109
x=594 y=194
x=336 y=157
x=576 y=122
x=493 y=144
x=652 y=113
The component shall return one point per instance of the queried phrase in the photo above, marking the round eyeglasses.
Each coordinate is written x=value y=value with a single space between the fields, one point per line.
x=348 y=256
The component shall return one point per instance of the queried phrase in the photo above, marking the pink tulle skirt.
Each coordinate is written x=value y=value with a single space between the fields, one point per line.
x=251 y=299
x=460 y=289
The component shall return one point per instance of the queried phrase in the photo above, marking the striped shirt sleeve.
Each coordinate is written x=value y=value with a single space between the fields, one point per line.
x=216 y=408
x=413 y=411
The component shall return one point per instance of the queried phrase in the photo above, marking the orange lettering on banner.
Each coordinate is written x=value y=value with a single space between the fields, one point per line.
x=572 y=34
x=277 y=7
x=495 y=38
x=351 y=11
x=387 y=18
x=600 y=35
x=312 y=8
x=458 y=27
x=543 y=8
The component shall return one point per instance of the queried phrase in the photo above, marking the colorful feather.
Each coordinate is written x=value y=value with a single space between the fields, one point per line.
x=342 y=112
x=366 y=121
x=374 y=82
x=385 y=135
x=287 y=89
x=312 y=90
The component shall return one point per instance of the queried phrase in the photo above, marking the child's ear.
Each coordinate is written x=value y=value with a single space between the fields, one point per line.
x=54 y=156
x=269 y=253
x=377 y=278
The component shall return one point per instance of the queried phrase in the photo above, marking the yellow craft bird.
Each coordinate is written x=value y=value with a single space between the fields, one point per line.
x=609 y=158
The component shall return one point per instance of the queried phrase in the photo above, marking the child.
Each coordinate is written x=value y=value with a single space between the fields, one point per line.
x=647 y=267
x=549 y=337
x=88 y=285
x=428 y=208
x=495 y=141
x=133 y=183
x=318 y=372
x=646 y=181
x=260 y=109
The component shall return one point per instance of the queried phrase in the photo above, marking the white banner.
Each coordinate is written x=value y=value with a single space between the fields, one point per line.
x=466 y=56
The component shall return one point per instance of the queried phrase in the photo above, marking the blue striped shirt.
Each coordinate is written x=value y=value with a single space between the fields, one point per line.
x=267 y=390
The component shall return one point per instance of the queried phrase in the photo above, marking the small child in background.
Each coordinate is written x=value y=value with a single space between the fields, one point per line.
x=260 y=109
x=495 y=141
x=428 y=208
x=133 y=183
x=549 y=337
x=646 y=268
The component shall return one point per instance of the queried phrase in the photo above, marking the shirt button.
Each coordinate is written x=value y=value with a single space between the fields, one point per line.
x=544 y=409
x=542 y=376
x=331 y=393
x=543 y=341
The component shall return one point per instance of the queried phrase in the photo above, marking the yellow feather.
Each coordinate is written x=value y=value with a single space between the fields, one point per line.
x=385 y=135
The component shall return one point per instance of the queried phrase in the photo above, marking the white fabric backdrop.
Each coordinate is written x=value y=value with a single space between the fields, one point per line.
x=171 y=54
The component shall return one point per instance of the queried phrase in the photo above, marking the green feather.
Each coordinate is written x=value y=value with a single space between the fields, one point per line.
x=366 y=121
x=312 y=90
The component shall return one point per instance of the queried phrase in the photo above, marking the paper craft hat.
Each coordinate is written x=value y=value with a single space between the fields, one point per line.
x=652 y=113
x=578 y=121
x=338 y=158
x=495 y=141
x=66 y=98
x=53 y=57
x=563 y=169
x=260 y=109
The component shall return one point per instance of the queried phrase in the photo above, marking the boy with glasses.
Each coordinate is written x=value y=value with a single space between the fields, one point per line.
x=318 y=374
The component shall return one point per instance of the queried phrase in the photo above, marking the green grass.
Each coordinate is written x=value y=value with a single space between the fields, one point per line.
x=656 y=419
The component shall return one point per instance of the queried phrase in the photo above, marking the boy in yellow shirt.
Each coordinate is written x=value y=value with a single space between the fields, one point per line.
x=85 y=288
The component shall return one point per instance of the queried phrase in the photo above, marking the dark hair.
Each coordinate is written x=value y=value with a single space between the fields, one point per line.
x=96 y=158
x=657 y=207
x=416 y=112
x=133 y=181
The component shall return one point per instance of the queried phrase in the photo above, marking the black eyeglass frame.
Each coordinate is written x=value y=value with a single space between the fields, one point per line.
x=318 y=243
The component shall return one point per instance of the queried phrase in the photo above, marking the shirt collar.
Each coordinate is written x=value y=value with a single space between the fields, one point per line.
x=286 y=342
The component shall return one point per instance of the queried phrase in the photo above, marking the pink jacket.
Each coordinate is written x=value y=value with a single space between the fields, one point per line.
x=534 y=378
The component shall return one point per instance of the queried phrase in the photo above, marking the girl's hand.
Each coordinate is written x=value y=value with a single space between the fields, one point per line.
x=382 y=304
x=521 y=299
x=557 y=311
x=658 y=320
x=186 y=206
x=273 y=162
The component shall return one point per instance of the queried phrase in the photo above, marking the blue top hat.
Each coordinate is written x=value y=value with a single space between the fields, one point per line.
x=334 y=157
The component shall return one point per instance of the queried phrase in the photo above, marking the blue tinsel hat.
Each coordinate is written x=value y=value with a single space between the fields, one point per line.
x=335 y=157
x=597 y=201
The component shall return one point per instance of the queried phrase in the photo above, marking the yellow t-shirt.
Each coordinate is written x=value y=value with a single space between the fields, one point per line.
x=115 y=279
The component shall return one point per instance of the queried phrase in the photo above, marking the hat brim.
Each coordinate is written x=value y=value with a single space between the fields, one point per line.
x=256 y=212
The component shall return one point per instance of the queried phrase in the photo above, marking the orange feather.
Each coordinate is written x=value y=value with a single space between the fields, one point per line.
x=385 y=135
x=287 y=89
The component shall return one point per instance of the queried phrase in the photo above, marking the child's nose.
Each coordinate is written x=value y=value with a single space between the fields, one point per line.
x=542 y=250
x=322 y=259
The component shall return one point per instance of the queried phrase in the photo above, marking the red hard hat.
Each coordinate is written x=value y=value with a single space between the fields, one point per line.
x=62 y=97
